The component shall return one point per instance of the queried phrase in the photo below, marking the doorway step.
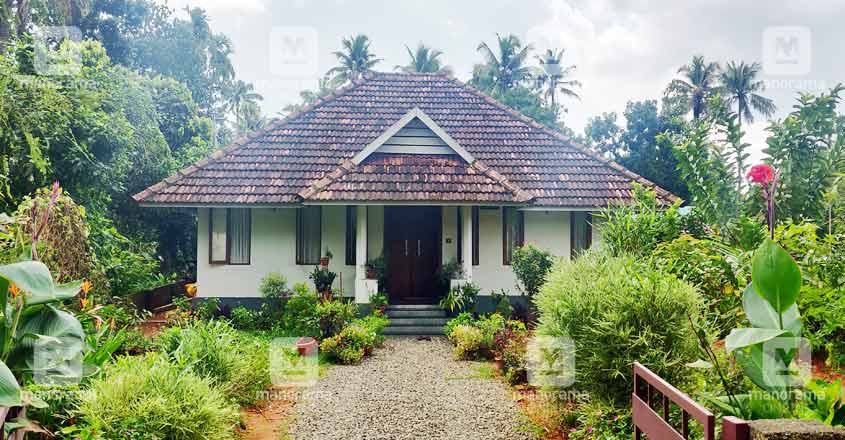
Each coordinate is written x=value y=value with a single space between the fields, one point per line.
x=415 y=319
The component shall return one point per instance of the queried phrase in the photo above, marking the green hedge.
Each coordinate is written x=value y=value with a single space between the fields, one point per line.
x=619 y=310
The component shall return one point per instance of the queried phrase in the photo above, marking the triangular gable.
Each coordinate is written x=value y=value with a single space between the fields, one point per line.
x=414 y=133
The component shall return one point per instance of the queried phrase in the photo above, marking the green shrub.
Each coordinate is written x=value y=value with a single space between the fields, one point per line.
x=243 y=318
x=151 y=396
x=349 y=346
x=232 y=360
x=489 y=326
x=718 y=271
x=300 y=315
x=618 y=310
x=333 y=316
x=531 y=266
x=460 y=298
x=274 y=286
x=468 y=341
x=464 y=318
x=502 y=303
x=356 y=340
x=637 y=229
x=375 y=324
x=514 y=358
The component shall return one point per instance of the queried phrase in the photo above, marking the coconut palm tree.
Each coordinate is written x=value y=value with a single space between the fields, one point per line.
x=240 y=93
x=507 y=67
x=699 y=82
x=354 y=59
x=241 y=98
x=424 y=60
x=740 y=85
x=553 y=74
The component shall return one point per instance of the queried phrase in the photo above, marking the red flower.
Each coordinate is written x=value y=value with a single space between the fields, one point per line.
x=761 y=174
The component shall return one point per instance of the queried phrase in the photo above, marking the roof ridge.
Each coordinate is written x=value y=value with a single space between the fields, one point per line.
x=563 y=138
x=318 y=186
x=521 y=195
x=245 y=138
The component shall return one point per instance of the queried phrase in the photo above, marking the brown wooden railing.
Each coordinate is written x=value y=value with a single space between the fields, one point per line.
x=650 y=391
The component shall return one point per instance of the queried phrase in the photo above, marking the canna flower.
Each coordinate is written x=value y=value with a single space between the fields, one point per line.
x=83 y=302
x=765 y=176
x=14 y=290
x=761 y=174
x=191 y=290
x=86 y=287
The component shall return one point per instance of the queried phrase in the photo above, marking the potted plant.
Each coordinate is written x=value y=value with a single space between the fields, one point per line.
x=327 y=256
x=379 y=301
x=500 y=342
x=323 y=279
x=375 y=268
x=306 y=345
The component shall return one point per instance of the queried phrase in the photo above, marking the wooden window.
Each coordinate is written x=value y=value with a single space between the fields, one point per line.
x=580 y=232
x=351 y=234
x=460 y=234
x=475 y=235
x=309 y=221
x=229 y=235
x=512 y=233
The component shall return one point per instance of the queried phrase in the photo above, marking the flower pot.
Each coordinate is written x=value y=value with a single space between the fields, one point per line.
x=306 y=345
x=372 y=274
x=324 y=261
x=499 y=363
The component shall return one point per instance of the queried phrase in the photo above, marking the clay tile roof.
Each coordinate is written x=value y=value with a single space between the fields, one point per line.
x=307 y=155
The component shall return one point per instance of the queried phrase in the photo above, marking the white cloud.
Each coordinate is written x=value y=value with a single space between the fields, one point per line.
x=239 y=6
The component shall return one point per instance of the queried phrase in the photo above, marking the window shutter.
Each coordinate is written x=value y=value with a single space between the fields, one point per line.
x=308 y=235
x=475 y=236
x=512 y=233
x=351 y=234
x=580 y=232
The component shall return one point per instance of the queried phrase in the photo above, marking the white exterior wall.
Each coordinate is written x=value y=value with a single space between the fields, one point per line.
x=274 y=248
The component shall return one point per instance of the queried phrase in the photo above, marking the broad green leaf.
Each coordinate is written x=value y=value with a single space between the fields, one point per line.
x=34 y=279
x=761 y=314
x=10 y=391
x=51 y=330
x=775 y=276
x=758 y=366
x=746 y=337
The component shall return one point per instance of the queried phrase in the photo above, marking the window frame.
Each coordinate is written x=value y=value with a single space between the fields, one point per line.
x=299 y=258
x=228 y=259
x=588 y=219
x=520 y=233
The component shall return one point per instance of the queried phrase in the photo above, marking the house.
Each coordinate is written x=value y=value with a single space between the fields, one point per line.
x=418 y=168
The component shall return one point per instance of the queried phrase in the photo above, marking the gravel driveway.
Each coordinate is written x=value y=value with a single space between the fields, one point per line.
x=408 y=389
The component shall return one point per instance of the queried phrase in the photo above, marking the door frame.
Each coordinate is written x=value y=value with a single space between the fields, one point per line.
x=437 y=219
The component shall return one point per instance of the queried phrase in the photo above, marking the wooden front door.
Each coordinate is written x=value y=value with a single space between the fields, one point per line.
x=412 y=247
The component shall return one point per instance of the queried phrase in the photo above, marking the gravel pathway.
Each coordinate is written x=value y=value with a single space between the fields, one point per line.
x=408 y=389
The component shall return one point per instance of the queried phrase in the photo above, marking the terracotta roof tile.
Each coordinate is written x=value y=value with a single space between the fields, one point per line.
x=306 y=156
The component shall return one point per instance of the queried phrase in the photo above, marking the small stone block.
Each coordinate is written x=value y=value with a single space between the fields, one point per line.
x=791 y=429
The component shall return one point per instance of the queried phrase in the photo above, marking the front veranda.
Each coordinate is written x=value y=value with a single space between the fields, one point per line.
x=415 y=242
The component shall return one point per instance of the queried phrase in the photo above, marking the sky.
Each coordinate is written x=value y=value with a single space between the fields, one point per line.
x=623 y=50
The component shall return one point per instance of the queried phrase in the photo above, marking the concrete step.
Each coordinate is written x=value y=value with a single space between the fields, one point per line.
x=400 y=322
x=438 y=313
x=414 y=330
x=414 y=307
